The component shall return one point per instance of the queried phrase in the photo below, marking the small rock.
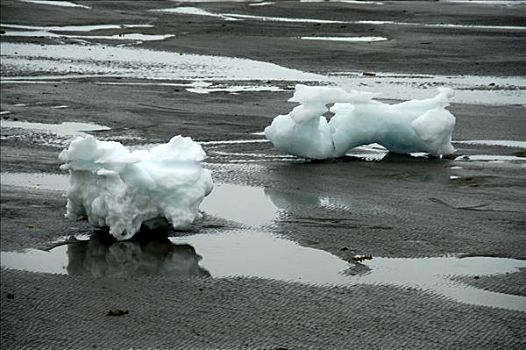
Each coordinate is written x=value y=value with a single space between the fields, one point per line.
x=30 y=226
x=343 y=249
x=476 y=277
x=368 y=74
x=116 y=312
x=491 y=84
x=10 y=295
x=360 y=258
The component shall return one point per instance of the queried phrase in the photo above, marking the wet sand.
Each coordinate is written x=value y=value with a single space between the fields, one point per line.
x=397 y=207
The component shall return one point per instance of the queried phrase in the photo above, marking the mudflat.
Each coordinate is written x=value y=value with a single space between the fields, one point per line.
x=410 y=209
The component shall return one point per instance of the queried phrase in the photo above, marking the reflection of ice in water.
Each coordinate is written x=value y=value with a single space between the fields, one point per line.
x=254 y=206
x=100 y=257
x=262 y=255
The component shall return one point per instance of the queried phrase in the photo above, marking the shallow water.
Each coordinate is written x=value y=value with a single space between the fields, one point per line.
x=243 y=204
x=263 y=255
x=30 y=62
x=236 y=16
x=24 y=60
x=498 y=143
x=492 y=158
x=124 y=36
x=482 y=90
x=79 y=28
x=345 y=39
x=60 y=3
x=43 y=181
x=106 y=258
x=63 y=129
x=234 y=89
x=250 y=206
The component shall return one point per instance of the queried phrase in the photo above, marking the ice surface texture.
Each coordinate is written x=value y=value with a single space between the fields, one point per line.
x=407 y=127
x=116 y=188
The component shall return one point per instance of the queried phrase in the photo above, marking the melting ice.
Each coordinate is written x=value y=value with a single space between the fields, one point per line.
x=121 y=189
x=407 y=127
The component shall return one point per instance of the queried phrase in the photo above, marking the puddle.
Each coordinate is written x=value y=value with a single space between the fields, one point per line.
x=79 y=28
x=234 y=89
x=482 y=90
x=25 y=60
x=56 y=3
x=243 y=204
x=232 y=142
x=194 y=11
x=255 y=155
x=58 y=32
x=499 y=143
x=123 y=36
x=251 y=206
x=99 y=257
x=154 y=83
x=28 y=62
x=282 y=19
x=489 y=2
x=65 y=129
x=235 y=16
x=445 y=25
x=492 y=158
x=359 y=2
x=344 y=39
x=264 y=3
x=263 y=255
x=53 y=182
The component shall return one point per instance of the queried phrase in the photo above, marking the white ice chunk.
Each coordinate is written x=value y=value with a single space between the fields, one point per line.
x=116 y=188
x=407 y=127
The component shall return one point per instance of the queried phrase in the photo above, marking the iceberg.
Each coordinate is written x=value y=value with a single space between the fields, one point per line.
x=121 y=189
x=357 y=120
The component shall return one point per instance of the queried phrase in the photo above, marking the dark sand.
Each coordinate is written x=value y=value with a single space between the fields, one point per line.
x=399 y=207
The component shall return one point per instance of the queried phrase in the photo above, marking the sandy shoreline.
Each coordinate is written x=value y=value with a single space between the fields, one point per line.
x=399 y=207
